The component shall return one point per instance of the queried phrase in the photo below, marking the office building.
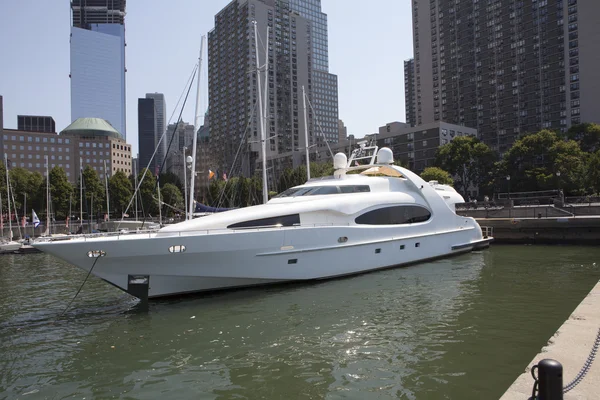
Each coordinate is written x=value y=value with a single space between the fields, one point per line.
x=160 y=107
x=233 y=91
x=324 y=84
x=342 y=131
x=417 y=146
x=35 y=123
x=146 y=134
x=180 y=138
x=506 y=67
x=92 y=140
x=409 y=92
x=98 y=61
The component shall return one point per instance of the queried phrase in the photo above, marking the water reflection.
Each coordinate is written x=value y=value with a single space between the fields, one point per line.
x=415 y=332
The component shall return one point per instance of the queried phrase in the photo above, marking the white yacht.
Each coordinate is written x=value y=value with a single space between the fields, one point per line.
x=361 y=219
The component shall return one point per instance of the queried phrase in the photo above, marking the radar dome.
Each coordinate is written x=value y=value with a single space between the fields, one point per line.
x=340 y=161
x=385 y=156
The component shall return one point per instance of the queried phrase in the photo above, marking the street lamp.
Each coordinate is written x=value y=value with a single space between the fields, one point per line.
x=560 y=194
x=188 y=161
x=508 y=180
x=184 y=183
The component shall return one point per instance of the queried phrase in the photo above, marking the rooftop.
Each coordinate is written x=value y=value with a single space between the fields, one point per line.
x=91 y=127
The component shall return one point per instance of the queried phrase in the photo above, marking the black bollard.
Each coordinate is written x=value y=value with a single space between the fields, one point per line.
x=550 y=375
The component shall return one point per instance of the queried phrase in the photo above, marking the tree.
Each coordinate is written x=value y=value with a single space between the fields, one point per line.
x=534 y=160
x=171 y=195
x=61 y=191
x=24 y=182
x=593 y=176
x=93 y=188
x=468 y=160
x=437 y=174
x=148 y=192
x=586 y=135
x=120 y=190
x=170 y=177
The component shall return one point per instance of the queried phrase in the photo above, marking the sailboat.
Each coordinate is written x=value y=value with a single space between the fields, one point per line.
x=10 y=245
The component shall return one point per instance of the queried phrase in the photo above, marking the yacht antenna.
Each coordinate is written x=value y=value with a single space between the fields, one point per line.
x=263 y=144
x=306 y=135
x=195 y=138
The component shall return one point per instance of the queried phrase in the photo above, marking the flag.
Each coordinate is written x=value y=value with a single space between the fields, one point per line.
x=210 y=174
x=67 y=222
x=23 y=221
x=224 y=176
x=156 y=169
x=356 y=163
x=35 y=219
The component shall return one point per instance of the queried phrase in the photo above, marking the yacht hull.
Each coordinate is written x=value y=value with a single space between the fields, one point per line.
x=194 y=262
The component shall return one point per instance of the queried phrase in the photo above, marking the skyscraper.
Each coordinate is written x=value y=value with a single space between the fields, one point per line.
x=409 y=92
x=160 y=107
x=324 y=84
x=98 y=61
x=232 y=82
x=506 y=67
x=146 y=134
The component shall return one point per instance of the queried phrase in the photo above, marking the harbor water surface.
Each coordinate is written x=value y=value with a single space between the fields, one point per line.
x=458 y=328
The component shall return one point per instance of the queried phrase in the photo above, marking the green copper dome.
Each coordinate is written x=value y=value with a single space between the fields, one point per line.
x=91 y=127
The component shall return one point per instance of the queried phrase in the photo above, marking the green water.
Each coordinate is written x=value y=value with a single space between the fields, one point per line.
x=460 y=328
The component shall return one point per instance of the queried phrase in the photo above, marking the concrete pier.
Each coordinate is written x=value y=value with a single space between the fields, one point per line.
x=570 y=346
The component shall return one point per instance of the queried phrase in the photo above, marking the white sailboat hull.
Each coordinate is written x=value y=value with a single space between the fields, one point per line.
x=227 y=259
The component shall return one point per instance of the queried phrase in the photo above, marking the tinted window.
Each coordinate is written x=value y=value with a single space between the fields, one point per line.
x=322 y=190
x=284 y=220
x=395 y=215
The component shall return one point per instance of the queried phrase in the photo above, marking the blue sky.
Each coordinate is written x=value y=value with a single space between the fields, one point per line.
x=368 y=42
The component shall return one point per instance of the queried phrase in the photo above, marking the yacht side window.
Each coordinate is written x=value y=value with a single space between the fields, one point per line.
x=395 y=215
x=284 y=220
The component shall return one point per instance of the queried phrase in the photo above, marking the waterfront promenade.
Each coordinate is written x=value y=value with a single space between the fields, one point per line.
x=570 y=345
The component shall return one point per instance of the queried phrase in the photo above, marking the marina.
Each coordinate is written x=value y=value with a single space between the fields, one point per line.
x=456 y=328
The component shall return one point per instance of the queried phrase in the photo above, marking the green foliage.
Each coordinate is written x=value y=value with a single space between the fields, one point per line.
x=120 y=190
x=24 y=182
x=534 y=160
x=586 y=135
x=437 y=174
x=294 y=177
x=94 y=189
x=468 y=159
x=171 y=195
x=170 y=177
x=148 y=192
x=61 y=191
x=593 y=169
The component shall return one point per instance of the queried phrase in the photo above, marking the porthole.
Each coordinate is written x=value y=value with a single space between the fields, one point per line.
x=377 y=251
x=96 y=253
x=177 y=249
x=342 y=239
x=401 y=247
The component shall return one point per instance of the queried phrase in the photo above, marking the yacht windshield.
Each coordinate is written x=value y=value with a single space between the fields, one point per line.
x=322 y=190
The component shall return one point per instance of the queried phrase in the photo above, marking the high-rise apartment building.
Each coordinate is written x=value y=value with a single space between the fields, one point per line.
x=146 y=134
x=233 y=85
x=160 y=107
x=180 y=137
x=324 y=85
x=506 y=67
x=98 y=61
x=409 y=92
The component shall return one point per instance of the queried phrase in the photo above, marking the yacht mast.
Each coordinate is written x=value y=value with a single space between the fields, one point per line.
x=10 y=234
x=263 y=144
x=195 y=138
x=107 y=199
x=306 y=135
x=47 y=197
x=80 y=190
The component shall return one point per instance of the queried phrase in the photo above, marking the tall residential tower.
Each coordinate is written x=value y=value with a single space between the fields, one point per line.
x=98 y=61
x=233 y=85
x=506 y=67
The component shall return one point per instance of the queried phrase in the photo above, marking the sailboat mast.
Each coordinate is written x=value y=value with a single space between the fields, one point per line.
x=107 y=199
x=159 y=205
x=8 y=198
x=306 y=135
x=135 y=189
x=47 y=196
x=195 y=138
x=263 y=143
x=80 y=192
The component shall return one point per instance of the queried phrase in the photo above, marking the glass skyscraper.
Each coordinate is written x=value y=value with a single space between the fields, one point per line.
x=98 y=61
x=324 y=85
